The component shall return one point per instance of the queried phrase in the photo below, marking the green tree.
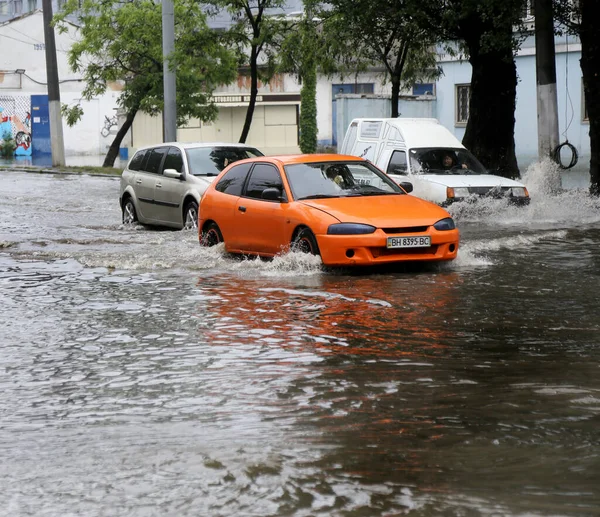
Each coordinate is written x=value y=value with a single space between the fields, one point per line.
x=485 y=31
x=579 y=18
x=255 y=31
x=120 y=41
x=298 y=53
x=380 y=33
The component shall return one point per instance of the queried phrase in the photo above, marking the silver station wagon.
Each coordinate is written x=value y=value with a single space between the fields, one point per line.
x=162 y=184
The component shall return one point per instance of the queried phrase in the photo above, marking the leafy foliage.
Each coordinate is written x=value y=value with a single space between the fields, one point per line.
x=380 y=34
x=254 y=34
x=120 y=42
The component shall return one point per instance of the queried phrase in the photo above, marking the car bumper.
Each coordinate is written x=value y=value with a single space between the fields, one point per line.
x=517 y=201
x=371 y=249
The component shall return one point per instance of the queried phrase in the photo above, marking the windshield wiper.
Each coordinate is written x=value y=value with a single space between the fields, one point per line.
x=378 y=193
x=317 y=196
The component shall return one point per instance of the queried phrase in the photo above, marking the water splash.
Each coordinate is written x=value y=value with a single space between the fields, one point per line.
x=551 y=207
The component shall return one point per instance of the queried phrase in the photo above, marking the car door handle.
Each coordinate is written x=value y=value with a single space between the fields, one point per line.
x=242 y=208
x=158 y=185
x=138 y=182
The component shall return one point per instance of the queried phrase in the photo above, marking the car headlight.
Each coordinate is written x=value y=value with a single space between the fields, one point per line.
x=445 y=224
x=453 y=192
x=350 y=229
x=519 y=192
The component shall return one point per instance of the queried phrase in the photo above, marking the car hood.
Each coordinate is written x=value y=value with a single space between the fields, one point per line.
x=467 y=180
x=386 y=211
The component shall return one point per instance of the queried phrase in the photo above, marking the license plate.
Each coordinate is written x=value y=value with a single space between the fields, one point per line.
x=409 y=242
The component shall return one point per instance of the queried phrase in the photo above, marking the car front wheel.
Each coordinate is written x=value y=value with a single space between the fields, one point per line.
x=305 y=242
x=211 y=235
x=129 y=213
x=190 y=216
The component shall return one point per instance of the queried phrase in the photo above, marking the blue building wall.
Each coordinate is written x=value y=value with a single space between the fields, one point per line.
x=572 y=127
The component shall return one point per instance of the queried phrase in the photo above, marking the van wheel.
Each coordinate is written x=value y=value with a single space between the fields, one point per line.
x=190 y=216
x=129 y=213
x=305 y=242
x=211 y=235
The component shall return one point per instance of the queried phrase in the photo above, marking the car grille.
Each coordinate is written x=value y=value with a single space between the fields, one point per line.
x=495 y=192
x=383 y=252
x=409 y=229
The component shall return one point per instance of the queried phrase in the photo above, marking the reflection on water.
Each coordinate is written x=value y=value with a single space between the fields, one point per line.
x=143 y=375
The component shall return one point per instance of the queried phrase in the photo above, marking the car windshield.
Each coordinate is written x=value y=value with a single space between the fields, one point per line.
x=438 y=160
x=210 y=161
x=338 y=179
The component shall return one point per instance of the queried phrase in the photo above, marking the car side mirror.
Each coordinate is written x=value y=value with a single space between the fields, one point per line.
x=172 y=173
x=407 y=186
x=271 y=194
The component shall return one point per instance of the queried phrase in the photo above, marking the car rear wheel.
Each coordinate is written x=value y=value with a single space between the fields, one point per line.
x=211 y=235
x=190 y=216
x=129 y=213
x=305 y=242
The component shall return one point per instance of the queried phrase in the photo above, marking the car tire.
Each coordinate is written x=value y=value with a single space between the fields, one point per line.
x=211 y=235
x=305 y=242
x=129 y=213
x=190 y=216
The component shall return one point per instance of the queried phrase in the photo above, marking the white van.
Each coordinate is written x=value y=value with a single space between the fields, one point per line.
x=425 y=153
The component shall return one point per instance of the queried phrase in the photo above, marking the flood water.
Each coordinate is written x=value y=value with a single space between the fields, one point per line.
x=142 y=375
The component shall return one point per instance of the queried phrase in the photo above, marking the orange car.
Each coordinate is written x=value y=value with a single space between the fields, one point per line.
x=339 y=207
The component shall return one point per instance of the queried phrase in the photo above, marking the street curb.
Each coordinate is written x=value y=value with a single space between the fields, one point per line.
x=40 y=170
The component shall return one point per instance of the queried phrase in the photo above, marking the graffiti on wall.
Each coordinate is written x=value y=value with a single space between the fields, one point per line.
x=109 y=123
x=15 y=122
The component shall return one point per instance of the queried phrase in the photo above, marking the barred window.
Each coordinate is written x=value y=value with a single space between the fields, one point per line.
x=463 y=95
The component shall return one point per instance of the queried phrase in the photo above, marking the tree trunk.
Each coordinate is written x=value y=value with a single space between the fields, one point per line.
x=113 y=150
x=590 y=65
x=253 y=93
x=490 y=132
x=395 y=96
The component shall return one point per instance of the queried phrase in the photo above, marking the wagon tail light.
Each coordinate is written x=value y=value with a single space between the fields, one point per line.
x=350 y=229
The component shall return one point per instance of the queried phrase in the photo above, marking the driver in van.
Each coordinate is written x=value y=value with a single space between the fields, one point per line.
x=449 y=162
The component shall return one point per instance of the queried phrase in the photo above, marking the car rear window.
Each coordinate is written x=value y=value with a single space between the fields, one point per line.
x=210 y=161
x=136 y=162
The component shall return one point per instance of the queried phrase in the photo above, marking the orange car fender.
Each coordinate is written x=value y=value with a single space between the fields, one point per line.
x=303 y=215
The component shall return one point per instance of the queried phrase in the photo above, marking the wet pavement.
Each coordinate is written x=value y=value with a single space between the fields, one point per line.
x=144 y=375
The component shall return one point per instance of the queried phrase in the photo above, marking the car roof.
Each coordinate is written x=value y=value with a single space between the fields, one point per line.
x=288 y=159
x=194 y=145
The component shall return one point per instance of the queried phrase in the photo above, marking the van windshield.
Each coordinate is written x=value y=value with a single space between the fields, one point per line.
x=441 y=160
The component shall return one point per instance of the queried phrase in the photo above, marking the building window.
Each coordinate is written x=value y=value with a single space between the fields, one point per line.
x=463 y=95
x=423 y=89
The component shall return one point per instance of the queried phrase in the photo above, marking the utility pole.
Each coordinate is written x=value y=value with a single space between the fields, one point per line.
x=545 y=66
x=57 y=144
x=170 y=95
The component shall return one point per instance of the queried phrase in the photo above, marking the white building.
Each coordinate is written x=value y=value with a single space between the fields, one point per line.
x=23 y=89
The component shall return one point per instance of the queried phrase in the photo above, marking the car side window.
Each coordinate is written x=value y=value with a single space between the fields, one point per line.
x=173 y=160
x=263 y=176
x=233 y=181
x=154 y=160
x=137 y=160
x=397 y=163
